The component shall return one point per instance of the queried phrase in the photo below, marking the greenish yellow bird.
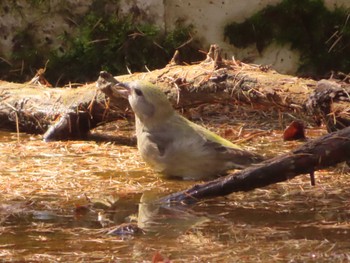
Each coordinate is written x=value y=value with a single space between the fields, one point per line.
x=174 y=146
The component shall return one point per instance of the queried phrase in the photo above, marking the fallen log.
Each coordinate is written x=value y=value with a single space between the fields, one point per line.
x=224 y=81
x=72 y=112
x=317 y=154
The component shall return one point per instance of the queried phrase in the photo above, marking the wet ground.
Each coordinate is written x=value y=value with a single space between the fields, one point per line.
x=62 y=202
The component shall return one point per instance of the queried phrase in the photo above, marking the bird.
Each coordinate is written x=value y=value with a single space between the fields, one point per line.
x=174 y=146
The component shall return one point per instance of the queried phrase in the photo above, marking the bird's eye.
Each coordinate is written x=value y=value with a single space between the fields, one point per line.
x=138 y=92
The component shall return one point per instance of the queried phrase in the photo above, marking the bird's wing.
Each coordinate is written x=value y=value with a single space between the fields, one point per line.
x=176 y=137
x=160 y=141
x=237 y=157
x=226 y=150
x=213 y=140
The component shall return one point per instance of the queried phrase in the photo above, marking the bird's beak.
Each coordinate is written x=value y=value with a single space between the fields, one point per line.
x=125 y=89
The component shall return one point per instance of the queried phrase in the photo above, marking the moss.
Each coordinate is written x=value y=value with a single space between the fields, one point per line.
x=103 y=40
x=38 y=3
x=305 y=24
x=24 y=55
x=114 y=44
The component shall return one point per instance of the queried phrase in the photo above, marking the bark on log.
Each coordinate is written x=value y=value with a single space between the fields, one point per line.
x=330 y=103
x=323 y=152
x=72 y=112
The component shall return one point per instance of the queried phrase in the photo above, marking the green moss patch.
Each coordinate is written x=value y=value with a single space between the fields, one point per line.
x=103 y=40
x=321 y=36
x=113 y=44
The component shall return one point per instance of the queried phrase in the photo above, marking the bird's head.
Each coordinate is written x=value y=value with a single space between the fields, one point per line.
x=148 y=102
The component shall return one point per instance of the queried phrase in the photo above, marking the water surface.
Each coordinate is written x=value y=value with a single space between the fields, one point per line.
x=60 y=199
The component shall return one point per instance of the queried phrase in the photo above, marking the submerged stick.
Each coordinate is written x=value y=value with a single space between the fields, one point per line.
x=322 y=152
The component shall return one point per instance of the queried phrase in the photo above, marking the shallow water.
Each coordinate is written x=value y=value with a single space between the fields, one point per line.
x=53 y=194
